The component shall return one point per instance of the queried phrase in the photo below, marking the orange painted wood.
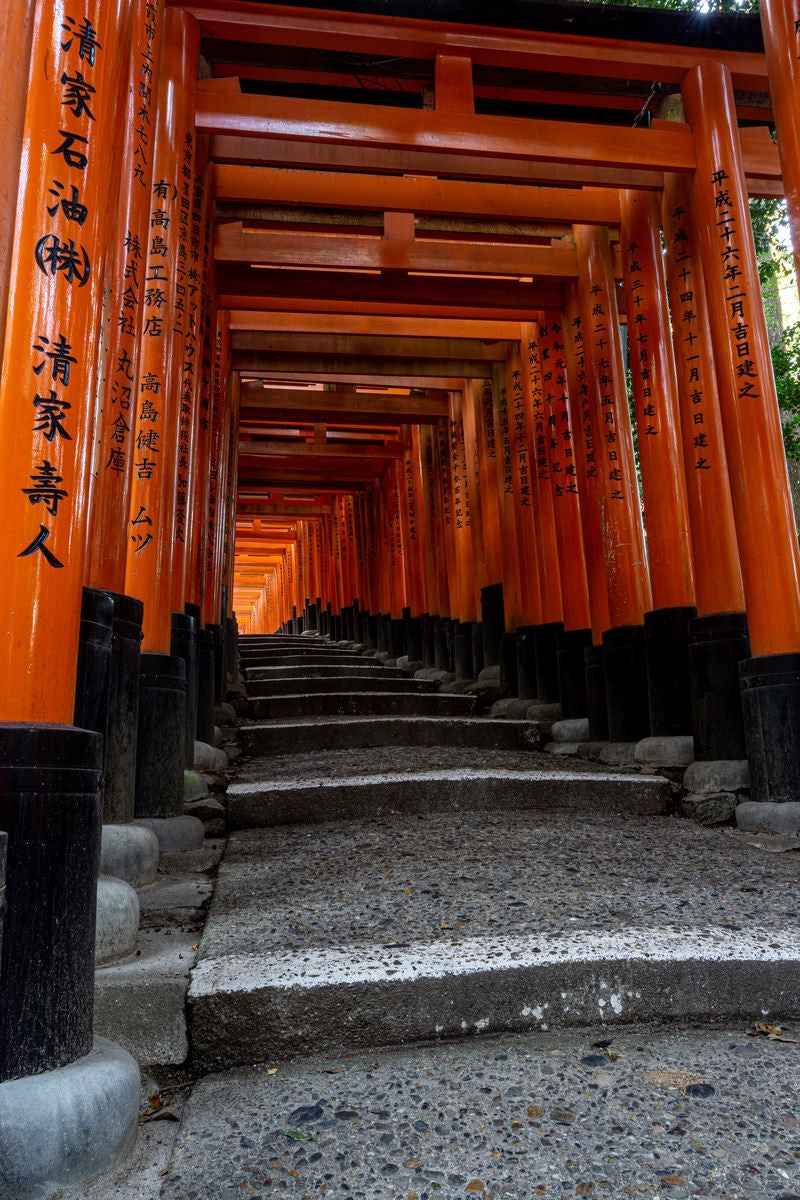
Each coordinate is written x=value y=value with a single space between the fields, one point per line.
x=718 y=576
x=362 y=253
x=217 y=470
x=523 y=471
x=152 y=562
x=231 y=484
x=16 y=32
x=531 y=50
x=472 y=451
x=779 y=25
x=483 y=409
x=464 y=596
x=762 y=503
x=109 y=532
x=490 y=136
x=507 y=504
x=418 y=194
x=584 y=438
x=412 y=524
x=623 y=536
x=452 y=87
x=52 y=350
x=448 y=598
x=438 y=595
x=383 y=326
x=564 y=478
x=537 y=375
x=655 y=389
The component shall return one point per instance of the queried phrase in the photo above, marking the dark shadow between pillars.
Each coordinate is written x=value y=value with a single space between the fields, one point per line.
x=626 y=683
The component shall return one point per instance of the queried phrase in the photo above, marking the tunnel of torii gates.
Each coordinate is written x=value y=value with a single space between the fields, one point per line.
x=320 y=317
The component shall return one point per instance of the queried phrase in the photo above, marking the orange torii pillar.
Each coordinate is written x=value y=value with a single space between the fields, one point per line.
x=50 y=771
x=780 y=25
x=367 y=506
x=465 y=608
x=501 y=603
x=565 y=492
x=213 y=607
x=472 y=653
x=431 y=516
x=520 y=656
x=765 y=527
x=718 y=638
x=108 y=685
x=398 y=561
x=582 y=412
x=623 y=535
x=162 y=749
x=540 y=647
x=488 y=638
x=658 y=424
x=416 y=547
x=448 y=605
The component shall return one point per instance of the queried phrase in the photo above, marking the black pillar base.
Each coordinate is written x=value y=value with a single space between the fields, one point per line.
x=493 y=623
x=596 y=702
x=717 y=644
x=397 y=640
x=771 y=712
x=526 y=662
x=50 y=806
x=312 y=617
x=348 y=629
x=183 y=644
x=94 y=660
x=414 y=639
x=477 y=648
x=626 y=683
x=372 y=632
x=508 y=664
x=160 y=751
x=119 y=754
x=441 y=659
x=666 y=640
x=219 y=661
x=572 y=645
x=450 y=627
x=232 y=647
x=547 y=636
x=428 y=649
x=205 y=686
x=462 y=650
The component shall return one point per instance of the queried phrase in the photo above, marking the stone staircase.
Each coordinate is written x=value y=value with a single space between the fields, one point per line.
x=393 y=877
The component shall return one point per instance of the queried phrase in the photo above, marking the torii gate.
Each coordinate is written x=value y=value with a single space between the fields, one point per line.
x=495 y=477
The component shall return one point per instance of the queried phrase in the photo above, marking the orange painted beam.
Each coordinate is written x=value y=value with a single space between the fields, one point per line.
x=413 y=346
x=511 y=49
x=378 y=325
x=445 y=133
x=362 y=253
x=322 y=451
x=418 y=194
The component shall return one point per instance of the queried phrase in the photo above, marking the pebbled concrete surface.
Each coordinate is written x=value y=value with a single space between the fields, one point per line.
x=343 y=733
x=671 y=1114
x=384 y=682
x=355 y=704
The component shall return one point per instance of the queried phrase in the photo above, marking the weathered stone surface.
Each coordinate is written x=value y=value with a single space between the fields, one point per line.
x=208 y=759
x=591 y=750
x=709 y=808
x=208 y=809
x=62 y=1127
x=224 y=714
x=194 y=786
x=175 y=833
x=116 y=921
x=353 y=704
x=281 y=737
x=574 y=729
x=664 y=751
x=174 y=900
x=129 y=852
x=725 y=775
x=562 y=749
x=619 y=753
x=537 y=710
x=510 y=706
x=765 y=817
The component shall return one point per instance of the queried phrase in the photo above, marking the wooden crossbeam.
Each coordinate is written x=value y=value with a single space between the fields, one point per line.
x=222 y=112
x=378 y=326
x=421 y=194
x=510 y=49
x=333 y=366
x=279 y=249
x=342 y=407
x=364 y=456
x=369 y=346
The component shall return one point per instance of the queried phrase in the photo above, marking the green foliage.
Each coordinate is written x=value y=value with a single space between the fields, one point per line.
x=786 y=365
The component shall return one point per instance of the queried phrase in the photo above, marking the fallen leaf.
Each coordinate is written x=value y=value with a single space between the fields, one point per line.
x=585 y=1189
x=272 y=1070
x=195 y=946
x=297 y=1136
x=155 y=1101
x=476 y=1185
x=534 y=1110
x=673 y=1180
x=161 y=1114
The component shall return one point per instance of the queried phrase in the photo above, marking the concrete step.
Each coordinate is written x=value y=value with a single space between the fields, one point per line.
x=312 y=658
x=671 y=1113
x=383 y=932
x=365 y=670
x=312 y=797
x=320 y=686
x=357 y=704
x=342 y=733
